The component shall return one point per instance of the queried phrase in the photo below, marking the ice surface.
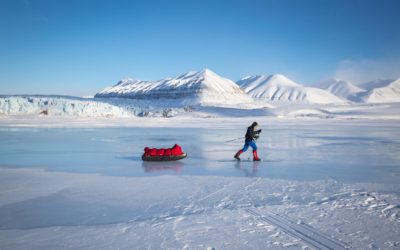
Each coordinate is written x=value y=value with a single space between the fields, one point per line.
x=301 y=150
x=333 y=182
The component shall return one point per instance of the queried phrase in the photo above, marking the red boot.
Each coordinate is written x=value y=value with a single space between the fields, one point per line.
x=255 y=156
x=238 y=154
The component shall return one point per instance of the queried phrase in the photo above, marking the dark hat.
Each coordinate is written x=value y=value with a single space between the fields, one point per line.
x=254 y=124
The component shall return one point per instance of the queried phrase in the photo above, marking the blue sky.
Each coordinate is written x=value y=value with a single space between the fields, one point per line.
x=78 y=47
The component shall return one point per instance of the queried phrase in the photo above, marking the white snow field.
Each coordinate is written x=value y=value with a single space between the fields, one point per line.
x=322 y=184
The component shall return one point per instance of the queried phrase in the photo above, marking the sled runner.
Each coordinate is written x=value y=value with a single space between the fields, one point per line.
x=163 y=154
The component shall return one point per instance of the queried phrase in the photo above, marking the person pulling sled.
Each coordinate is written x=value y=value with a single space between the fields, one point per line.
x=251 y=136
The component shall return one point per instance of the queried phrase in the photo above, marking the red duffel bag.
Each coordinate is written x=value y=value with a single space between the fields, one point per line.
x=153 y=152
x=176 y=150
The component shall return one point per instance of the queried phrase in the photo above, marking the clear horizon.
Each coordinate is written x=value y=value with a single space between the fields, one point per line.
x=80 y=47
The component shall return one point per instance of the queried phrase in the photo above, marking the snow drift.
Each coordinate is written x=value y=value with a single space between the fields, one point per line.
x=278 y=88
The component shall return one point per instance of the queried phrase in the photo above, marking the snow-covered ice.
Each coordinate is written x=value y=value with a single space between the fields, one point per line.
x=323 y=184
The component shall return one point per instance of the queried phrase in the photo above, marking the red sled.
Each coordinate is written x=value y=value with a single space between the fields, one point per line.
x=163 y=154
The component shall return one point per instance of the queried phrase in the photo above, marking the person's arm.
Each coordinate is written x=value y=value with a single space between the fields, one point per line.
x=257 y=131
x=256 y=134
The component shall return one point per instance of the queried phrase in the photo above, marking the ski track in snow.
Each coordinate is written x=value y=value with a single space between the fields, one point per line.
x=306 y=233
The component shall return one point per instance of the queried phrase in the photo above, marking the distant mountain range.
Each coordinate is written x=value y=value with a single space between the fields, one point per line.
x=206 y=94
x=378 y=91
x=203 y=87
x=278 y=88
x=208 y=88
x=343 y=89
x=381 y=91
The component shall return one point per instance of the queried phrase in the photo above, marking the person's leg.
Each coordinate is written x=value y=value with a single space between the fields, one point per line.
x=253 y=145
x=244 y=149
x=246 y=146
x=255 y=155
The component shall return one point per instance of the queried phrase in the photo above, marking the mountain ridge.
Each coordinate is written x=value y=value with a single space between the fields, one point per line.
x=389 y=91
x=205 y=87
x=279 y=88
x=343 y=89
x=377 y=91
x=194 y=87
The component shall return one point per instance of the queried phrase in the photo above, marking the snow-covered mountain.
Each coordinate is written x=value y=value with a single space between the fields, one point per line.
x=206 y=93
x=278 y=88
x=343 y=89
x=379 y=83
x=204 y=87
x=378 y=91
x=381 y=91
